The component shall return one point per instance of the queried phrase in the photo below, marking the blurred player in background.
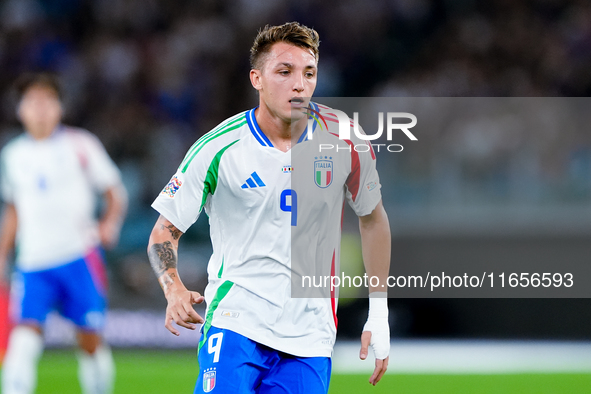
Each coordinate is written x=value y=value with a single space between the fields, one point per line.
x=50 y=177
x=256 y=338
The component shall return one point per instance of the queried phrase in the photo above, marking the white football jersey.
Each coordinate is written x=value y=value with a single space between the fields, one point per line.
x=53 y=185
x=255 y=211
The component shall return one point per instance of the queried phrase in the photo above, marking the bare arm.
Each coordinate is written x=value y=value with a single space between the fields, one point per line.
x=7 y=238
x=376 y=246
x=163 y=255
x=115 y=209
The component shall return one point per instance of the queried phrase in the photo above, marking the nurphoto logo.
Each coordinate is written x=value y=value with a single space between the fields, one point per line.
x=346 y=124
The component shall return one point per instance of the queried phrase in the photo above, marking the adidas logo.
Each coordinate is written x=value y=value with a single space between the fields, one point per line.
x=253 y=181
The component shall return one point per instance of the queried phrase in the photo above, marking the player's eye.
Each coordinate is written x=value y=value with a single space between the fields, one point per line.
x=284 y=72
x=310 y=75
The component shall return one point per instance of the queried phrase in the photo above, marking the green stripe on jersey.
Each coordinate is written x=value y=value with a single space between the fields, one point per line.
x=211 y=132
x=211 y=179
x=221 y=292
x=221 y=132
x=221 y=268
x=223 y=129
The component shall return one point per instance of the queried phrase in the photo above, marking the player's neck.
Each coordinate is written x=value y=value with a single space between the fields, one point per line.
x=39 y=132
x=281 y=133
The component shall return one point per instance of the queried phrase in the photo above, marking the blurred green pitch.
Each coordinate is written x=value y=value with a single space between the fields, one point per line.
x=161 y=372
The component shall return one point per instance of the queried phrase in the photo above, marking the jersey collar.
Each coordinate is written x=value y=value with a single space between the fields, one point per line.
x=304 y=136
x=256 y=130
x=262 y=138
x=59 y=129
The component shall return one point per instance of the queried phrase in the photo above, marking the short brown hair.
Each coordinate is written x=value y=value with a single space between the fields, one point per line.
x=25 y=81
x=291 y=33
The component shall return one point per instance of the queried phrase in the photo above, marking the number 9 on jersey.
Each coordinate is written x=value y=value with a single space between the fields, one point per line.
x=290 y=204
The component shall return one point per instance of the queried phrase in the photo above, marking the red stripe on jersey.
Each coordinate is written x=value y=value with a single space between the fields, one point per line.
x=330 y=116
x=354 y=177
x=328 y=178
x=333 y=301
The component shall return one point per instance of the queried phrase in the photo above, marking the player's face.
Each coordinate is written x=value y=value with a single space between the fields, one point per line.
x=40 y=110
x=287 y=81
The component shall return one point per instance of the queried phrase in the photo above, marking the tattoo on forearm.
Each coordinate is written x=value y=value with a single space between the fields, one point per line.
x=175 y=232
x=167 y=280
x=162 y=257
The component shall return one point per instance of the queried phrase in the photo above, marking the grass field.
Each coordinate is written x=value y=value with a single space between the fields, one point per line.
x=162 y=372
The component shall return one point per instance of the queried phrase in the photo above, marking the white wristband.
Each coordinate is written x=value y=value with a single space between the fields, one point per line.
x=378 y=305
x=377 y=324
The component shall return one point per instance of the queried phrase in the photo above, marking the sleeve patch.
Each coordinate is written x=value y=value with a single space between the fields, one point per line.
x=172 y=187
x=371 y=185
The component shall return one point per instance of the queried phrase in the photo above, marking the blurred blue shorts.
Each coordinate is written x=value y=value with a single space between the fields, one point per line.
x=77 y=290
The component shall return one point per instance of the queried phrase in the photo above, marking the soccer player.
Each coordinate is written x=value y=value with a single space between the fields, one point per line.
x=255 y=337
x=50 y=178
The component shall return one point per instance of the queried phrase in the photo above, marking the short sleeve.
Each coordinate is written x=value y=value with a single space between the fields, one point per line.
x=183 y=198
x=99 y=169
x=5 y=186
x=363 y=182
x=102 y=172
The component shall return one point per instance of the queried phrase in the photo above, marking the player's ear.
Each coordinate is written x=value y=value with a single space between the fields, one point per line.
x=255 y=79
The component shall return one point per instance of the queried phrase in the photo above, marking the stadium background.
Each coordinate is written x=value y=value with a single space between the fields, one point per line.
x=149 y=77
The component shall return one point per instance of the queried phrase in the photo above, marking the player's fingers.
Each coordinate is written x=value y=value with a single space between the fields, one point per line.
x=168 y=324
x=365 y=340
x=184 y=324
x=200 y=320
x=181 y=311
x=108 y=239
x=383 y=370
x=182 y=319
x=193 y=317
x=196 y=298
x=376 y=372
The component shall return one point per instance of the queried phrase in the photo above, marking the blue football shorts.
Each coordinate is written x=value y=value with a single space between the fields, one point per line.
x=232 y=363
x=77 y=290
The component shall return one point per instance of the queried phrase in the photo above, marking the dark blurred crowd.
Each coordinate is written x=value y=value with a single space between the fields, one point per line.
x=150 y=76
x=503 y=48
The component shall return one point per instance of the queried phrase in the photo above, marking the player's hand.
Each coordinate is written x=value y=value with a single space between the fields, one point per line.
x=381 y=364
x=4 y=277
x=376 y=333
x=180 y=310
x=109 y=233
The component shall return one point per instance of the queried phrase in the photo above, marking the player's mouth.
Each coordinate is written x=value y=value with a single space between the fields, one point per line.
x=297 y=102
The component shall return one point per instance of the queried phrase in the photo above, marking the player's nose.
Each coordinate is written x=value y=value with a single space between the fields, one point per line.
x=298 y=85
